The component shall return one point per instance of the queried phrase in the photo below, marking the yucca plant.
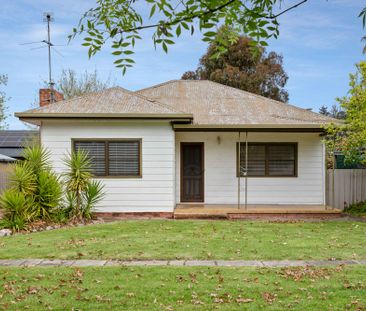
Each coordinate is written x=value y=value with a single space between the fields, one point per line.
x=35 y=186
x=37 y=158
x=23 y=178
x=93 y=194
x=18 y=209
x=49 y=194
x=82 y=192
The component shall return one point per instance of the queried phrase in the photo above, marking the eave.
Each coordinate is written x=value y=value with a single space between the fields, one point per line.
x=36 y=118
x=293 y=128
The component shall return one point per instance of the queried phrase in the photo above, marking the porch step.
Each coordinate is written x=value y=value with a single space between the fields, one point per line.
x=282 y=216
x=206 y=211
x=249 y=216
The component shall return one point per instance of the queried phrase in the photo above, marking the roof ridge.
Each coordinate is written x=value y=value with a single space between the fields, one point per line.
x=259 y=96
x=153 y=101
x=160 y=84
x=116 y=87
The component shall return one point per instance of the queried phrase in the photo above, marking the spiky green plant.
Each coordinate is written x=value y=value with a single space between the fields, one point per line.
x=18 y=209
x=37 y=157
x=93 y=194
x=48 y=195
x=78 y=182
x=33 y=180
x=23 y=178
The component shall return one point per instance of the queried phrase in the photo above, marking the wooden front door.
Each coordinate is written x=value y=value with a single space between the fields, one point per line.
x=192 y=172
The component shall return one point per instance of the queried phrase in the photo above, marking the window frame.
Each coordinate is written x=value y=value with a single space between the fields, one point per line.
x=266 y=144
x=106 y=141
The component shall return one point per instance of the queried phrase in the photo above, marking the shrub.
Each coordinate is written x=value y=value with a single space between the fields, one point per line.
x=49 y=194
x=35 y=178
x=18 y=209
x=60 y=216
x=35 y=190
x=92 y=195
x=356 y=208
x=23 y=178
x=82 y=192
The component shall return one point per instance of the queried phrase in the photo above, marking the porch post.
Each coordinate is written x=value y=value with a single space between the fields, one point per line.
x=239 y=169
x=333 y=170
x=246 y=170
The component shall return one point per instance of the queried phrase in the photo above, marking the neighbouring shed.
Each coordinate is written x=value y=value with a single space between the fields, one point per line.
x=12 y=142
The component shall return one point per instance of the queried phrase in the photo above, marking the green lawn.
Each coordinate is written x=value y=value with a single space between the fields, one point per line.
x=164 y=239
x=183 y=288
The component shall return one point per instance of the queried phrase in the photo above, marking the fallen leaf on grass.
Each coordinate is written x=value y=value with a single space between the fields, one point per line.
x=193 y=277
x=32 y=290
x=102 y=299
x=40 y=276
x=299 y=273
x=78 y=273
x=269 y=297
x=243 y=300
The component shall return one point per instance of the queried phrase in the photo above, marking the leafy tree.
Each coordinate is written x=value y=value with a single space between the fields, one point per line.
x=334 y=112
x=350 y=137
x=3 y=81
x=324 y=110
x=120 y=23
x=259 y=73
x=71 y=85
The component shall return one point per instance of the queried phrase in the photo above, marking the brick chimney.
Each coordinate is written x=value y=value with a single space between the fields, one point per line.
x=45 y=97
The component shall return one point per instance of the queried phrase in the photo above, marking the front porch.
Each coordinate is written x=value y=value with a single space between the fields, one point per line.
x=254 y=211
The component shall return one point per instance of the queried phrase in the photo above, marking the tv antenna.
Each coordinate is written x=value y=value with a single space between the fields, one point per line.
x=48 y=18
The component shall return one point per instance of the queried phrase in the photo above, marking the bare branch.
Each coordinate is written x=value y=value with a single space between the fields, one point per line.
x=288 y=9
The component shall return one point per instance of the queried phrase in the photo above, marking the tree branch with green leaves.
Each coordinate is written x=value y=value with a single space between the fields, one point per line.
x=120 y=24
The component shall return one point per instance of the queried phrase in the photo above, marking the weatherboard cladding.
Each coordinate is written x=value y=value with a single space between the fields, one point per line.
x=210 y=103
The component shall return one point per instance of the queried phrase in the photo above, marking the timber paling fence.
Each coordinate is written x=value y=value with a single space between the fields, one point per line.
x=347 y=187
x=4 y=172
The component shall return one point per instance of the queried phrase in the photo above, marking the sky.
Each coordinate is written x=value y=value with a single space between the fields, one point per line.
x=320 y=42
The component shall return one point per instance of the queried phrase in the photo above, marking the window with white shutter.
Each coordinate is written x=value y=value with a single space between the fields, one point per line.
x=269 y=160
x=113 y=158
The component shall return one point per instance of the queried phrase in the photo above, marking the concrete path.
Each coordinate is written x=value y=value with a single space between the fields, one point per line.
x=187 y=263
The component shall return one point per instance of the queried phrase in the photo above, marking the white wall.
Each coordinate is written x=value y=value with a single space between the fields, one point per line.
x=221 y=183
x=154 y=192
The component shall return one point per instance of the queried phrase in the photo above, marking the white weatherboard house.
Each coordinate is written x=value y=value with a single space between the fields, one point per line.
x=176 y=144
